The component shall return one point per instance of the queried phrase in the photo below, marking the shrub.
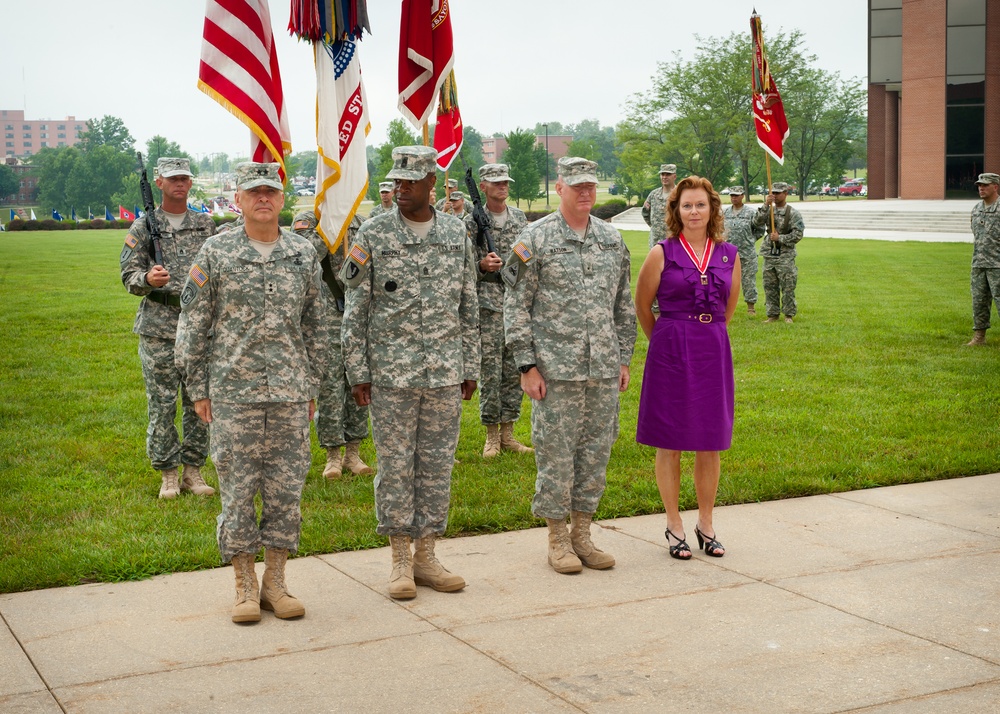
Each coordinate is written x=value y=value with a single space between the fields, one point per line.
x=609 y=209
x=535 y=215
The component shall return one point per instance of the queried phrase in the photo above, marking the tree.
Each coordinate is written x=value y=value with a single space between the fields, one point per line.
x=52 y=167
x=520 y=156
x=302 y=163
x=398 y=134
x=98 y=175
x=107 y=130
x=9 y=182
x=555 y=129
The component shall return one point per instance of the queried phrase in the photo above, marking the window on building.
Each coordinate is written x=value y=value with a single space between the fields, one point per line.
x=45 y=135
x=885 y=42
x=9 y=126
x=10 y=143
x=965 y=108
x=27 y=143
x=26 y=127
x=9 y=135
x=61 y=127
x=44 y=126
x=26 y=135
x=62 y=143
x=45 y=143
x=62 y=135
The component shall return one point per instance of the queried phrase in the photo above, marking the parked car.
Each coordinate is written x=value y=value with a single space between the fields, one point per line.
x=851 y=188
x=305 y=192
x=613 y=189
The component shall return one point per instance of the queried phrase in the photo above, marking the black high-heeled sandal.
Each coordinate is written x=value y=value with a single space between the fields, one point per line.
x=711 y=546
x=681 y=551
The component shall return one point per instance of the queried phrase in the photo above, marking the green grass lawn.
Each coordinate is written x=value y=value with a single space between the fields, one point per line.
x=871 y=386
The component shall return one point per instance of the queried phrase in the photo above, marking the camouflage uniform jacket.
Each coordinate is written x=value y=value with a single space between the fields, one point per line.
x=740 y=228
x=570 y=310
x=229 y=225
x=789 y=225
x=986 y=235
x=304 y=225
x=179 y=247
x=252 y=329
x=378 y=211
x=654 y=212
x=491 y=290
x=412 y=318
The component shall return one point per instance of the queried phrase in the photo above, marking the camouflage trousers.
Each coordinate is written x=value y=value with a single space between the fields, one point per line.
x=163 y=379
x=415 y=432
x=748 y=280
x=985 y=290
x=780 y=278
x=500 y=392
x=338 y=417
x=572 y=430
x=260 y=448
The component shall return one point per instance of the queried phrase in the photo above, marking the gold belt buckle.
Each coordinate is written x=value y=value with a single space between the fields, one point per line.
x=704 y=317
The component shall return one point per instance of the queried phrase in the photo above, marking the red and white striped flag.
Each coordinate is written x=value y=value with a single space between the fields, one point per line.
x=426 y=56
x=239 y=70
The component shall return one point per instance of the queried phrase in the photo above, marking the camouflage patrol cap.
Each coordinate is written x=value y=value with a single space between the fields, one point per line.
x=452 y=183
x=988 y=179
x=385 y=187
x=668 y=168
x=779 y=187
x=166 y=167
x=456 y=196
x=573 y=170
x=412 y=162
x=738 y=190
x=250 y=174
x=495 y=173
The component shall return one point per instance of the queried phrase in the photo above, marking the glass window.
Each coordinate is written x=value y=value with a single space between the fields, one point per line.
x=886 y=60
x=61 y=127
x=10 y=143
x=26 y=136
x=964 y=133
x=45 y=143
x=961 y=173
x=966 y=12
x=9 y=126
x=886 y=23
x=886 y=4
x=9 y=135
x=966 y=50
x=968 y=89
x=26 y=127
x=62 y=135
x=44 y=126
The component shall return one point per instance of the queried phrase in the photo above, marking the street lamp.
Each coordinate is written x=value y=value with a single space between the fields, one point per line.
x=546 y=165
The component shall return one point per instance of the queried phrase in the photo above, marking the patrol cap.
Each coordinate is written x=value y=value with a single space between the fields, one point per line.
x=779 y=187
x=738 y=190
x=413 y=163
x=167 y=167
x=452 y=183
x=988 y=179
x=668 y=168
x=385 y=187
x=250 y=174
x=456 y=196
x=573 y=170
x=494 y=173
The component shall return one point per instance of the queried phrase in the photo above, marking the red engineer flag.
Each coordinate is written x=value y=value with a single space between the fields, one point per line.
x=768 y=111
x=239 y=70
x=426 y=56
x=448 y=134
x=125 y=215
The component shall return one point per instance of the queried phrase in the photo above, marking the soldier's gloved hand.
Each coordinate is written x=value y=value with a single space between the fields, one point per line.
x=362 y=394
x=468 y=389
x=157 y=276
x=491 y=263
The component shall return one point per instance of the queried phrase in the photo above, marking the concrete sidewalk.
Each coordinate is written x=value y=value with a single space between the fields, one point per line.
x=880 y=601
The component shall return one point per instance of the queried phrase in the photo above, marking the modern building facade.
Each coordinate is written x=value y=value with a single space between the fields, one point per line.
x=24 y=137
x=933 y=96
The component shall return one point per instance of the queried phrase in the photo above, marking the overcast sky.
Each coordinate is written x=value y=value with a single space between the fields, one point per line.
x=517 y=62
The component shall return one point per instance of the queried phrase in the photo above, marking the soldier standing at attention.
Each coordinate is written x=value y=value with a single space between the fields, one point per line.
x=741 y=232
x=780 y=273
x=500 y=392
x=444 y=202
x=251 y=342
x=411 y=348
x=183 y=232
x=985 y=256
x=385 y=193
x=458 y=205
x=570 y=322
x=654 y=210
x=339 y=420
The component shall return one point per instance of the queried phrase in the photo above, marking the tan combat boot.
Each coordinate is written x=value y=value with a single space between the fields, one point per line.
x=561 y=555
x=353 y=462
x=771 y=319
x=169 y=488
x=427 y=569
x=579 y=536
x=194 y=483
x=750 y=309
x=509 y=443
x=333 y=463
x=274 y=593
x=978 y=338
x=401 y=585
x=247 y=605
x=492 y=446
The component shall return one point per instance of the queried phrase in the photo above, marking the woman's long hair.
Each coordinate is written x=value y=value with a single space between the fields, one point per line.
x=716 y=224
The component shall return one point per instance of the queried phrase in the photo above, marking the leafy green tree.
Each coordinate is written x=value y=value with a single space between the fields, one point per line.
x=130 y=194
x=107 y=130
x=9 y=182
x=302 y=163
x=398 y=134
x=555 y=129
x=98 y=175
x=521 y=157
x=52 y=168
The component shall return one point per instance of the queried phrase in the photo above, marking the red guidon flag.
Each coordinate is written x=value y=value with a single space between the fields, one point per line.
x=426 y=56
x=768 y=111
x=239 y=70
x=124 y=214
x=448 y=134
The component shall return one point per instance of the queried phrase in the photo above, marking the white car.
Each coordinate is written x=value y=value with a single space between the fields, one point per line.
x=305 y=192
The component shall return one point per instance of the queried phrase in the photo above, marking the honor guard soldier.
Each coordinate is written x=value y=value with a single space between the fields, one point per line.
x=741 y=232
x=985 y=256
x=778 y=249
x=385 y=192
x=442 y=204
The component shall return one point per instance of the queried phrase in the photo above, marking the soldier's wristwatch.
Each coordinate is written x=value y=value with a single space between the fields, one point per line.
x=525 y=368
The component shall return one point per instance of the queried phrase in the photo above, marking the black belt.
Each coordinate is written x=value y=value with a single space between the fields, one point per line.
x=704 y=317
x=165 y=298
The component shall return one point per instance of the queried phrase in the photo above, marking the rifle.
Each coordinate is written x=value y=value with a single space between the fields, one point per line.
x=149 y=207
x=478 y=212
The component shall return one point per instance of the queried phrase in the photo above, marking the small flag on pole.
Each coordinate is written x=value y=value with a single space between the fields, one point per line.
x=107 y=214
x=123 y=214
x=768 y=111
x=56 y=216
x=14 y=216
x=33 y=215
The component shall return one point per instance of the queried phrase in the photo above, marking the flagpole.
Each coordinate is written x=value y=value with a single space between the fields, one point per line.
x=767 y=165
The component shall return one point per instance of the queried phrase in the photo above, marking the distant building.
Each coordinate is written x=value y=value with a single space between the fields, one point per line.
x=558 y=144
x=24 y=137
x=494 y=146
x=933 y=97
x=27 y=192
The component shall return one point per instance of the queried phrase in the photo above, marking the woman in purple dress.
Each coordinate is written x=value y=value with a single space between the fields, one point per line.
x=687 y=385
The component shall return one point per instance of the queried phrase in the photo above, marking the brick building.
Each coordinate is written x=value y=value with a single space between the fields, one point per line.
x=933 y=96
x=494 y=146
x=27 y=192
x=24 y=137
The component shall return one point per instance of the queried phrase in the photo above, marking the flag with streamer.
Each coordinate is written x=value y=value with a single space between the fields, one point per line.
x=426 y=56
x=239 y=70
x=448 y=133
x=768 y=111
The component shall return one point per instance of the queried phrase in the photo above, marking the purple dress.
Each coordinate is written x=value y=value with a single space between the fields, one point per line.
x=687 y=399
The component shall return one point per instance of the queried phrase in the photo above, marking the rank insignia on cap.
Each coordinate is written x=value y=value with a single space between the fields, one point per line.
x=359 y=254
x=131 y=241
x=522 y=252
x=199 y=276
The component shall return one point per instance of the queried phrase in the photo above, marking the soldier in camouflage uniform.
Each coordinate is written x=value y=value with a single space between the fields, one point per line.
x=741 y=232
x=385 y=192
x=251 y=342
x=411 y=348
x=182 y=234
x=778 y=249
x=985 y=277
x=570 y=321
x=339 y=420
x=457 y=208
x=444 y=203
x=500 y=392
x=654 y=210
